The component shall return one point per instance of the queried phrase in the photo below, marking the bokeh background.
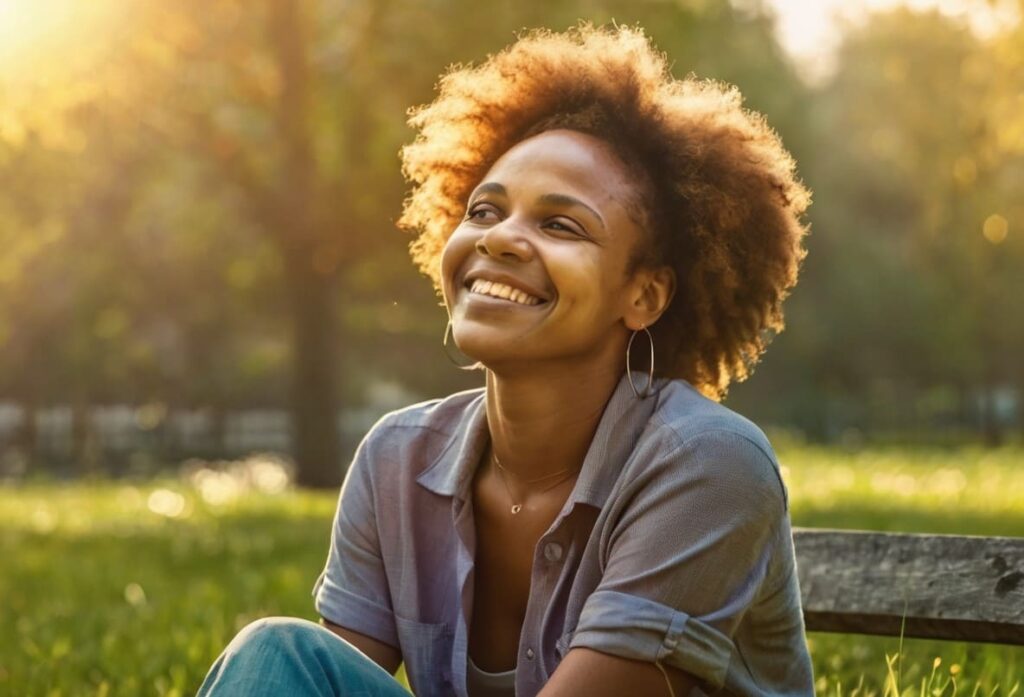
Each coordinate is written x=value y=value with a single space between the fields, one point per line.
x=205 y=303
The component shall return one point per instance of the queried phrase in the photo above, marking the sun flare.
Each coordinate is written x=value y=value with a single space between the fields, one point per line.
x=811 y=31
x=24 y=25
x=37 y=36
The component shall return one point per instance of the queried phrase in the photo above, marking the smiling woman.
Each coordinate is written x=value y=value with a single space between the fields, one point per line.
x=711 y=185
x=551 y=221
x=592 y=521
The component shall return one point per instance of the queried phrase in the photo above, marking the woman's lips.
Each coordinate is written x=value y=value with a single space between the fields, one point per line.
x=499 y=283
x=503 y=291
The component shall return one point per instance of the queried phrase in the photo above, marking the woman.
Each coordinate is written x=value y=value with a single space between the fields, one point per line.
x=613 y=247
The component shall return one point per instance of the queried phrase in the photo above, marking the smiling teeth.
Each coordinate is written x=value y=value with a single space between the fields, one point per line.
x=500 y=290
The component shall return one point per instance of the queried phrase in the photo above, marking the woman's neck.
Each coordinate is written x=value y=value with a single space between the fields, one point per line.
x=541 y=422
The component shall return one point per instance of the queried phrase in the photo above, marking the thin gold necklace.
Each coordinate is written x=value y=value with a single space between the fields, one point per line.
x=502 y=472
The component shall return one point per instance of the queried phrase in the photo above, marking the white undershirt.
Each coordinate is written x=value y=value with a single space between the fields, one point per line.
x=482 y=684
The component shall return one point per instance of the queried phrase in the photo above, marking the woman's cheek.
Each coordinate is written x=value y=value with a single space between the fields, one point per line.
x=454 y=255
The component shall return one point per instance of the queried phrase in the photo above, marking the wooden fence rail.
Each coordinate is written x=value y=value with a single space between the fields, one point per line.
x=946 y=586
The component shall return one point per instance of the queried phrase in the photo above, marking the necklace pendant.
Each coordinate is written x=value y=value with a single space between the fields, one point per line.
x=516 y=508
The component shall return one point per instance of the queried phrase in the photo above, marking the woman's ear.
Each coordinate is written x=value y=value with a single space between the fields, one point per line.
x=652 y=292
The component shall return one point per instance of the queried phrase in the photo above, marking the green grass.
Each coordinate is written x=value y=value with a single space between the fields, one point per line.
x=103 y=596
x=112 y=588
x=968 y=491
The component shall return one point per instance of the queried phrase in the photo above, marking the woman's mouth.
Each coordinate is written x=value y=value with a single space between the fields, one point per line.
x=504 y=292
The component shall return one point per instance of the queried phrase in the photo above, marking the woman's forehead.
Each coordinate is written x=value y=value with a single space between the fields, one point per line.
x=574 y=161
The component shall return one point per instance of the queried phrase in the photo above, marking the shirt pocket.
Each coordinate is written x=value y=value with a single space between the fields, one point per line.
x=427 y=654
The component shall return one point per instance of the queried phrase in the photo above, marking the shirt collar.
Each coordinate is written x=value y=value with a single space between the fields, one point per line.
x=624 y=419
x=618 y=431
x=452 y=471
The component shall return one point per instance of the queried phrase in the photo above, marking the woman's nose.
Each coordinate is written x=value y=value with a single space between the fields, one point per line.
x=505 y=240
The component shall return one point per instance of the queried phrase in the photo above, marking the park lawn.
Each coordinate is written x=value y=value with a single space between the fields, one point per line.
x=133 y=588
x=968 y=491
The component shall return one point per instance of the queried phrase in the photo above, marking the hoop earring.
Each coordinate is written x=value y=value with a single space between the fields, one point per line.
x=650 y=373
x=447 y=350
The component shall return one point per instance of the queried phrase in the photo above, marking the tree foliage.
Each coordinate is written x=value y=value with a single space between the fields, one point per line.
x=197 y=206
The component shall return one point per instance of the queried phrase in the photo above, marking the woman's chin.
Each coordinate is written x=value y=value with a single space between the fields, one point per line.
x=483 y=351
x=490 y=348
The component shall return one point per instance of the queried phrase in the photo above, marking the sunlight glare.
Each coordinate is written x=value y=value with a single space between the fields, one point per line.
x=26 y=24
x=811 y=31
x=40 y=35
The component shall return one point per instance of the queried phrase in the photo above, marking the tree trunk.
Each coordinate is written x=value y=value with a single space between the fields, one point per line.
x=217 y=440
x=314 y=370
x=991 y=430
x=301 y=239
x=1020 y=404
x=27 y=438
x=83 y=451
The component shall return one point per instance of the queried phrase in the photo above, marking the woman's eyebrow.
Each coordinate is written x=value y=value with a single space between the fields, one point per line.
x=566 y=200
x=489 y=188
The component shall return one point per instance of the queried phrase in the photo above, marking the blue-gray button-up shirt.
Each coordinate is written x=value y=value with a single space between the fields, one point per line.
x=674 y=546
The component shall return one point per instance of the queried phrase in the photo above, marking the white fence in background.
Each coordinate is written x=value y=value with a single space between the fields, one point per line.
x=124 y=428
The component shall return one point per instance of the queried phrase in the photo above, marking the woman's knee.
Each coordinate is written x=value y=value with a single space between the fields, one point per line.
x=287 y=655
x=272 y=629
x=278 y=633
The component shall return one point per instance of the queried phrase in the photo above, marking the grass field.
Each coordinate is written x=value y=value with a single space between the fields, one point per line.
x=132 y=588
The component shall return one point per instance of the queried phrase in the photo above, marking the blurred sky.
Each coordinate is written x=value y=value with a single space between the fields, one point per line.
x=810 y=29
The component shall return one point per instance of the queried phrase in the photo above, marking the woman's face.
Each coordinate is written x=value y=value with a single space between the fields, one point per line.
x=537 y=269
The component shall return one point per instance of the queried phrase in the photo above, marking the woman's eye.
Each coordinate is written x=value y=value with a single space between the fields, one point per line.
x=482 y=214
x=566 y=227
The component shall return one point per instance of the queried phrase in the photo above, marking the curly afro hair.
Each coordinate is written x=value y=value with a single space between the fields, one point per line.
x=723 y=199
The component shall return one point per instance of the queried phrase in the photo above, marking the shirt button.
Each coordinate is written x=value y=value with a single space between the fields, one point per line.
x=553 y=551
x=529 y=654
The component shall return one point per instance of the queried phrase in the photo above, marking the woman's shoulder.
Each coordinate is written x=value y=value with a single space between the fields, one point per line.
x=413 y=436
x=705 y=432
x=442 y=415
x=688 y=414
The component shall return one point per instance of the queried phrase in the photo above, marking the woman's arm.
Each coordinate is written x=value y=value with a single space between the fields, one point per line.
x=688 y=557
x=384 y=655
x=352 y=594
x=588 y=672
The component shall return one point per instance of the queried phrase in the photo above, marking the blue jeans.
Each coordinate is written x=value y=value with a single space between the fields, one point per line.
x=288 y=656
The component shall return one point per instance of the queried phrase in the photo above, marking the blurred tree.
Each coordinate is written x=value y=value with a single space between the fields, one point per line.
x=222 y=170
x=110 y=289
x=299 y=106
x=914 y=272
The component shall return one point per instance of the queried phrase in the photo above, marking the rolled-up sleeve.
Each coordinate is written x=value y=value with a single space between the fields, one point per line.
x=687 y=556
x=352 y=591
